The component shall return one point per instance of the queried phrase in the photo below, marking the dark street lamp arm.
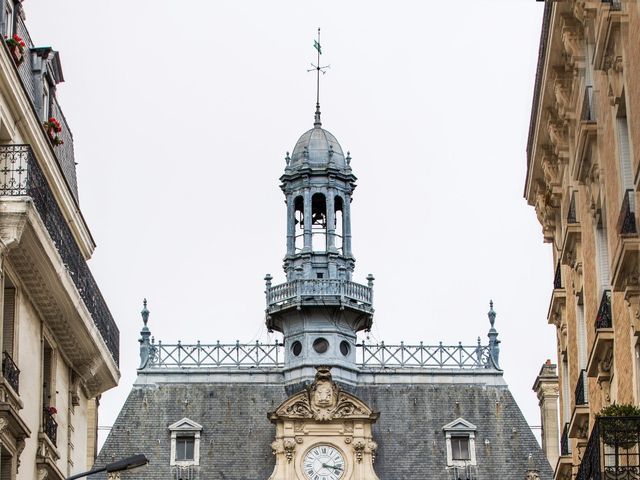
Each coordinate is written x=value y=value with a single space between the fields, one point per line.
x=128 y=463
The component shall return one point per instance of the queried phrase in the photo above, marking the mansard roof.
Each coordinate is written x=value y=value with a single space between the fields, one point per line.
x=408 y=432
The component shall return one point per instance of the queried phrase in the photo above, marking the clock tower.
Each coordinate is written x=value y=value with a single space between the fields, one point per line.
x=319 y=309
x=323 y=433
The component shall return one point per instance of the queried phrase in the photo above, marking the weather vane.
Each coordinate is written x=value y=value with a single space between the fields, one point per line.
x=318 y=68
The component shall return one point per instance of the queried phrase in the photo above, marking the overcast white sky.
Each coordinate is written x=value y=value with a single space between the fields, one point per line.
x=182 y=113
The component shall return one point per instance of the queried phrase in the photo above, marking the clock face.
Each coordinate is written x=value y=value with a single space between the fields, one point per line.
x=323 y=462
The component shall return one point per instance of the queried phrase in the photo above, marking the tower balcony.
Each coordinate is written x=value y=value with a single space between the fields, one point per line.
x=319 y=292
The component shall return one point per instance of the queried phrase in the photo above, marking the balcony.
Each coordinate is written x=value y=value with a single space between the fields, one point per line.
x=49 y=425
x=557 y=277
x=580 y=418
x=10 y=372
x=626 y=257
x=46 y=256
x=299 y=292
x=602 y=349
x=564 y=441
x=627 y=218
x=587 y=130
x=613 y=450
x=10 y=403
x=565 y=461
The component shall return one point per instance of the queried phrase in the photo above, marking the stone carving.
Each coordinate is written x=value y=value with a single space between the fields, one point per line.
x=323 y=401
x=42 y=473
x=3 y=424
x=113 y=476
x=287 y=447
x=532 y=475
x=360 y=447
x=545 y=212
x=572 y=42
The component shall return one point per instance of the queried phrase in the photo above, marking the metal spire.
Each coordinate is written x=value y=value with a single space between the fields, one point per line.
x=318 y=68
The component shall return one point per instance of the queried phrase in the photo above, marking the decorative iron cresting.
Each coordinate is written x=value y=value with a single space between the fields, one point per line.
x=368 y=356
x=613 y=450
x=10 y=372
x=21 y=175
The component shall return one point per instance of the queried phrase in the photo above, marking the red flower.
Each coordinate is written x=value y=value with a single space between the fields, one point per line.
x=52 y=410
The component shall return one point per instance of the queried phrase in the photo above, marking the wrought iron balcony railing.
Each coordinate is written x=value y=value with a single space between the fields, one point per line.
x=603 y=319
x=49 y=425
x=627 y=219
x=613 y=450
x=582 y=389
x=11 y=372
x=468 y=472
x=368 y=356
x=296 y=290
x=571 y=214
x=20 y=175
x=557 y=278
x=564 y=441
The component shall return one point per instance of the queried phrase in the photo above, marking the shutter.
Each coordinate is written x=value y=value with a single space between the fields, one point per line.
x=582 y=337
x=565 y=392
x=8 y=320
x=602 y=256
x=624 y=153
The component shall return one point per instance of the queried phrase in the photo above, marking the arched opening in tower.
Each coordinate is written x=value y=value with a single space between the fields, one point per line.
x=338 y=227
x=319 y=222
x=298 y=206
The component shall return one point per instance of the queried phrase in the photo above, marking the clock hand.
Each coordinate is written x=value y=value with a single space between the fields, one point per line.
x=331 y=466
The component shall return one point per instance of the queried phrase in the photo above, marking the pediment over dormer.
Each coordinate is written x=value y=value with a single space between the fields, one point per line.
x=185 y=425
x=460 y=425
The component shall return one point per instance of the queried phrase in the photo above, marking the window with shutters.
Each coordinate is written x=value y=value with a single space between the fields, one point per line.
x=460 y=437
x=185 y=443
x=48 y=379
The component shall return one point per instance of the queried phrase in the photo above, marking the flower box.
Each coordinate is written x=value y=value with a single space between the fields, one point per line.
x=53 y=128
x=16 y=46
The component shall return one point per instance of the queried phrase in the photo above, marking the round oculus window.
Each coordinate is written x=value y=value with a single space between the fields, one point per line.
x=296 y=348
x=345 y=348
x=321 y=345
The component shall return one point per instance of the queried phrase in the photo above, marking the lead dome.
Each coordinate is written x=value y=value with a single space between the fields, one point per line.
x=318 y=147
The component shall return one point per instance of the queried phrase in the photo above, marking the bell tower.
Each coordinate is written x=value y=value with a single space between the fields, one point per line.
x=319 y=309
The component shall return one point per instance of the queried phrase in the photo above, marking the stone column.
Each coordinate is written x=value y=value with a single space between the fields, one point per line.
x=547 y=390
x=291 y=225
x=346 y=225
x=331 y=221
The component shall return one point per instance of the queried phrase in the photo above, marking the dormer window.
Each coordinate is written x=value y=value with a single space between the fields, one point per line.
x=460 y=436
x=185 y=443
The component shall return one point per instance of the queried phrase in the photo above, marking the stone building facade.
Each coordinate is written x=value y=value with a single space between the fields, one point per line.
x=583 y=178
x=59 y=341
x=318 y=404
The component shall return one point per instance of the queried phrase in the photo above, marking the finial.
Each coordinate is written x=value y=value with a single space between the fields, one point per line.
x=491 y=314
x=318 y=68
x=494 y=343
x=144 y=312
x=287 y=159
x=348 y=159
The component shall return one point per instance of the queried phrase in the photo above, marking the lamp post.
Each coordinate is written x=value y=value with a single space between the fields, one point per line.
x=128 y=463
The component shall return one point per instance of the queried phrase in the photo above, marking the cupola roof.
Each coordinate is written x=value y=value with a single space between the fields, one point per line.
x=317 y=147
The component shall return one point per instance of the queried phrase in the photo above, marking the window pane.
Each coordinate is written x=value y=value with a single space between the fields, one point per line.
x=184 y=448
x=460 y=448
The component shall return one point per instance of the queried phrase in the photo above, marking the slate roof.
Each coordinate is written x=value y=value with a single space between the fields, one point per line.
x=236 y=435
